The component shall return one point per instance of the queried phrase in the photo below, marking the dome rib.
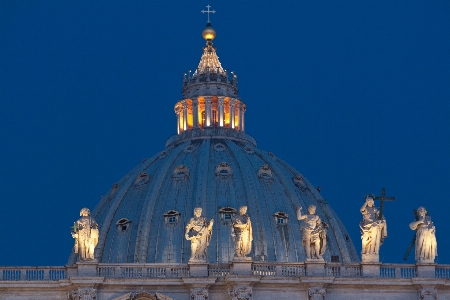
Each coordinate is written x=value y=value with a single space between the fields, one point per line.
x=142 y=243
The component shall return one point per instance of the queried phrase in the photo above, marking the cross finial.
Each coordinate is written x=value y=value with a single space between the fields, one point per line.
x=208 y=11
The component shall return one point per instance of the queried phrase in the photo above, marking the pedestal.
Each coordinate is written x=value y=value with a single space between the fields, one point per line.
x=370 y=258
x=426 y=270
x=370 y=269
x=198 y=269
x=87 y=268
x=315 y=267
x=241 y=266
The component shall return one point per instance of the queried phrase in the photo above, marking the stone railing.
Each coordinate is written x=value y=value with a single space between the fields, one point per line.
x=209 y=133
x=341 y=270
x=143 y=270
x=398 y=271
x=265 y=269
x=279 y=269
x=32 y=273
x=218 y=270
x=442 y=271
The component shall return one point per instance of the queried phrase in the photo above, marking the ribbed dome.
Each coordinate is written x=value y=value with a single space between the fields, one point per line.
x=210 y=173
x=211 y=163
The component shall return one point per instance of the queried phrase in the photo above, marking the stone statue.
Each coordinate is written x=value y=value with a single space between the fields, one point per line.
x=373 y=230
x=314 y=233
x=426 y=245
x=241 y=231
x=198 y=231
x=85 y=233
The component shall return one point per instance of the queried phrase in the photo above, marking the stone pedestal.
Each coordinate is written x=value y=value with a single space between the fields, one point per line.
x=87 y=268
x=370 y=269
x=241 y=266
x=370 y=258
x=315 y=267
x=198 y=269
x=426 y=270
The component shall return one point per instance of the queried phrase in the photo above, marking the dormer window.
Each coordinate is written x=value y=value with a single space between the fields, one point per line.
x=265 y=172
x=223 y=170
x=180 y=173
x=142 y=180
x=249 y=150
x=123 y=224
x=227 y=213
x=189 y=149
x=280 y=218
x=171 y=217
x=219 y=147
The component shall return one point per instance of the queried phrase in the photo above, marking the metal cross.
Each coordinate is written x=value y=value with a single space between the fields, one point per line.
x=383 y=198
x=411 y=245
x=208 y=11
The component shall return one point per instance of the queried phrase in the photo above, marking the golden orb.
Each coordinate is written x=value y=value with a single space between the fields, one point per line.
x=209 y=33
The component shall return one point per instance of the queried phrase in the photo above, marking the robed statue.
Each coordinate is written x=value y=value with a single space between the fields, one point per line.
x=85 y=233
x=241 y=232
x=426 y=244
x=198 y=231
x=373 y=229
x=314 y=233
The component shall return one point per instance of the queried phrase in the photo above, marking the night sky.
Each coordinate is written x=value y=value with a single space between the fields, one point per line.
x=354 y=94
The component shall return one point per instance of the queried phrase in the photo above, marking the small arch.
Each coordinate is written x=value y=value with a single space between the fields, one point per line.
x=180 y=173
x=224 y=170
x=144 y=160
x=172 y=217
x=219 y=147
x=123 y=224
x=143 y=296
x=249 y=150
x=265 y=172
x=271 y=154
x=189 y=149
x=142 y=179
x=114 y=188
x=163 y=154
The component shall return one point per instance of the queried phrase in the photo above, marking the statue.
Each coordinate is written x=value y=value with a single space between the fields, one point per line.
x=314 y=233
x=85 y=233
x=373 y=230
x=426 y=245
x=198 y=231
x=241 y=232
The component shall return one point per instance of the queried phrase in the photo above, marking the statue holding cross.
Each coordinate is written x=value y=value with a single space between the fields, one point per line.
x=373 y=227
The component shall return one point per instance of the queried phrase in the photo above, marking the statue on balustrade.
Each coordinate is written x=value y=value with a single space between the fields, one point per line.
x=373 y=230
x=314 y=233
x=198 y=231
x=241 y=232
x=85 y=233
x=426 y=244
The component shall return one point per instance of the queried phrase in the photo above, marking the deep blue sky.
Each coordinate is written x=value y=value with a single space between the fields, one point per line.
x=354 y=94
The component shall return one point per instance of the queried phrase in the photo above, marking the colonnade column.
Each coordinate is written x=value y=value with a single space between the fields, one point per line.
x=220 y=104
x=238 y=106
x=241 y=118
x=232 y=112
x=185 y=115
x=177 y=111
x=208 y=108
x=195 y=111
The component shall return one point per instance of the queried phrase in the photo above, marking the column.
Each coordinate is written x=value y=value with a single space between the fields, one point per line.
x=220 y=104
x=185 y=115
x=177 y=111
x=243 y=108
x=208 y=108
x=195 y=111
x=232 y=112
x=238 y=106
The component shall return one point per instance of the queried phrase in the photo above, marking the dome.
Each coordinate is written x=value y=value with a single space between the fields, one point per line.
x=213 y=164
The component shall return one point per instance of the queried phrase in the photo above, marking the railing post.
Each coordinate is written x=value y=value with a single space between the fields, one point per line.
x=370 y=269
x=426 y=270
